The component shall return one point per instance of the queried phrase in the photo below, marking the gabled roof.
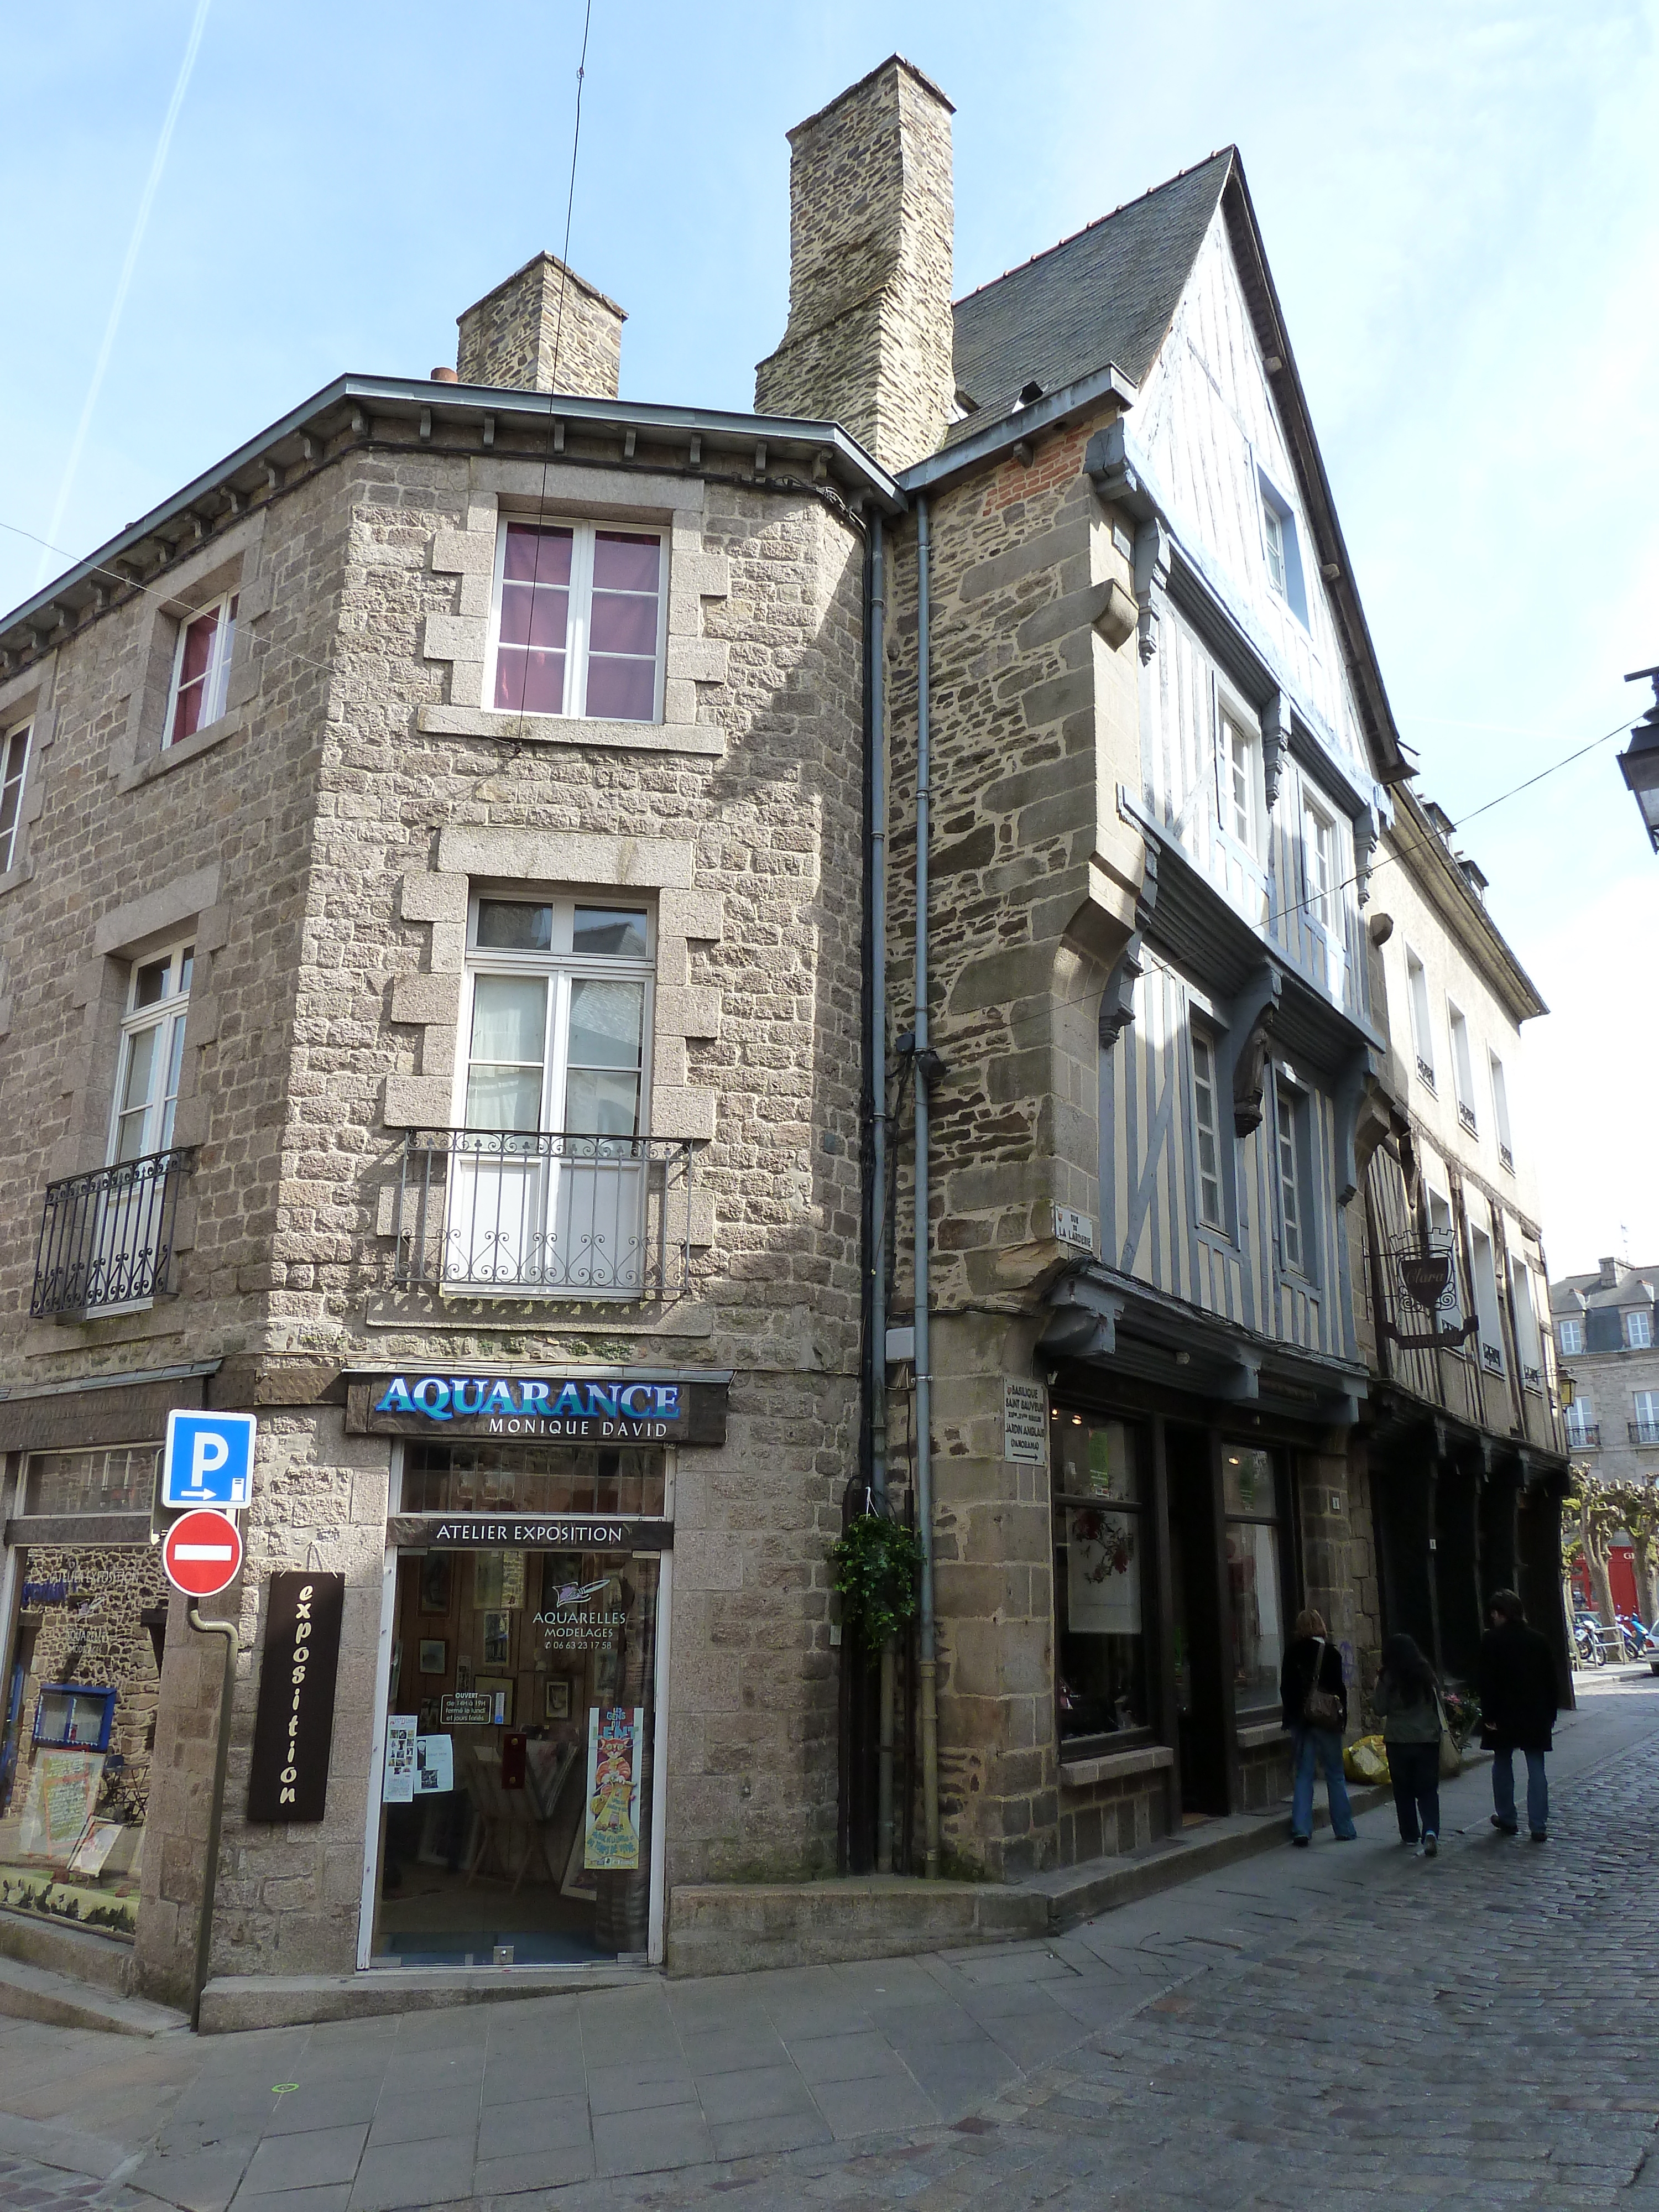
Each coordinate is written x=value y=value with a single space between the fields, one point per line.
x=1109 y=293
x=1106 y=294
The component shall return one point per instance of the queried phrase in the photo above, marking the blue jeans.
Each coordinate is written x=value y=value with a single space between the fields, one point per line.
x=1502 y=1789
x=1325 y=1746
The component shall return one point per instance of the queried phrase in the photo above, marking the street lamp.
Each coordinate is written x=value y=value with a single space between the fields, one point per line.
x=1639 y=761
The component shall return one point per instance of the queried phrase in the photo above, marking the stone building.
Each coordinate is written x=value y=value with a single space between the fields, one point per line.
x=431 y=1017
x=458 y=884
x=1462 y=1436
x=1604 y=1328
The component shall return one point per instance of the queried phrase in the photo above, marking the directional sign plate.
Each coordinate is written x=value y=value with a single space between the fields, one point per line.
x=202 y=1553
x=209 y=1460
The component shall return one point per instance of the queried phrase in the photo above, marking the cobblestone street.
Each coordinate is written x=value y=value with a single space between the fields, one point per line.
x=1342 y=2027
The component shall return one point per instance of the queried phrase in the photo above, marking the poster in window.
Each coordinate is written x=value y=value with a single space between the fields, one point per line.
x=434 y=1583
x=1103 y=1572
x=512 y=1580
x=611 y=1818
x=498 y=1640
x=398 y=1787
x=63 y=1790
x=435 y=1765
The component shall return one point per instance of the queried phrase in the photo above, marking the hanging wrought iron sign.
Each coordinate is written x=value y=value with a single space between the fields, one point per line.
x=1423 y=1276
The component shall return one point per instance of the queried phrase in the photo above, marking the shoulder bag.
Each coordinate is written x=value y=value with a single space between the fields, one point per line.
x=1451 y=1759
x=1321 y=1708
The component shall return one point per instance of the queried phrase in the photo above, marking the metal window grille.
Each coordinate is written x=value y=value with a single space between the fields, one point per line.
x=107 y=1239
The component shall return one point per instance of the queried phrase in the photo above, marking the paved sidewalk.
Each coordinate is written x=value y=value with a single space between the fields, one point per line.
x=1345 y=2026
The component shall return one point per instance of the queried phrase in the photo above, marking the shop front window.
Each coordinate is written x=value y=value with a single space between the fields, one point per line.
x=518 y=1806
x=1250 y=1494
x=1101 y=1579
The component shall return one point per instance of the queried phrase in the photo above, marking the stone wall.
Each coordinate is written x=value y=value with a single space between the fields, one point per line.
x=870 y=337
x=543 y=329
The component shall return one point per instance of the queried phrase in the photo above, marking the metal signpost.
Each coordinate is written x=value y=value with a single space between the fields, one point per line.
x=207 y=1464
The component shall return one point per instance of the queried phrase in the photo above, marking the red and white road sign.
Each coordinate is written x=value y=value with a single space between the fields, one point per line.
x=202 y=1553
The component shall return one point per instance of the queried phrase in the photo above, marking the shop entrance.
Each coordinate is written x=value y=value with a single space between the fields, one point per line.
x=1203 y=1711
x=518 y=1809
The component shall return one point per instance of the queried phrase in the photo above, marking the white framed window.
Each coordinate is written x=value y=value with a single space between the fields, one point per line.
x=579 y=621
x=1500 y=1112
x=549 y=1163
x=14 y=767
x=200 y=669
x=1572 y=1338
x=1235 y=772
x=1485 y=1300
x=1292 y=1185
x=1639 y=1328
x=152 y=1055
x=1581 y=1420
x=1417 y=993
x=1462 y=1067
x=1644 y=1429
x=1319 y=864
x=1206 y=1123
x=1281 y=550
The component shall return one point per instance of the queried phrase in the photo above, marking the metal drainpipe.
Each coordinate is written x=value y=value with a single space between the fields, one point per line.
x=878 y=1150
x=927 y=1661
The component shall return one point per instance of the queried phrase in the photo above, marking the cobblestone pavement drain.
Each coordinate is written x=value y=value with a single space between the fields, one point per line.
x=1349 y=2027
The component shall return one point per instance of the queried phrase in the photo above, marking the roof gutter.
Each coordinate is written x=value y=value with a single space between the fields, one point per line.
x=757 y=438
x=999 y=439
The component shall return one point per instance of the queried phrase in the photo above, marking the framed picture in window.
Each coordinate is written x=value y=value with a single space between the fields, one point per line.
x=558 y=1698
x=434 y=1584
x=498 y=1640
x=434 y=1655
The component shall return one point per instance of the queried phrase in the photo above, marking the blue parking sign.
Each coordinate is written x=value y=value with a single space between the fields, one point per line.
x=209 y=1460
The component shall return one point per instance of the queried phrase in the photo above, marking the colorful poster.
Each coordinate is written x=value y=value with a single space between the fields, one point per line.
x=63 y=1790
x=398 y=1788
x=611 y=1831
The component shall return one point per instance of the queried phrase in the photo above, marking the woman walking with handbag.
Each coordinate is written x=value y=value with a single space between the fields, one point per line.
x=1314 y=1701
x=1406 y=1700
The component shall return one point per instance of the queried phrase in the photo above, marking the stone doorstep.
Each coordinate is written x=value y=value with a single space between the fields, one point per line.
x=732 y=1928
x=105 y=1961
x=58 y=2000
x=231 y=2002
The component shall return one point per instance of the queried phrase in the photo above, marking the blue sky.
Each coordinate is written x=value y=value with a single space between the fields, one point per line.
x=1461 y=207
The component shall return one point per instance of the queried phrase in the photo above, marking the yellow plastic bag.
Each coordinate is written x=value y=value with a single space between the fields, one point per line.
x=1366 y=1760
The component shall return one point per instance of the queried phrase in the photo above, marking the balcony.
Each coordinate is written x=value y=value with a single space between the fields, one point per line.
x=1424 y=1073
x=1506 y=1160
x=512 y=1213
x=1466 y=1117
x=107 y=1239
x=1531 y=1379
x=1643 y=1432
x=1583 y=1436
x=1492 y=1358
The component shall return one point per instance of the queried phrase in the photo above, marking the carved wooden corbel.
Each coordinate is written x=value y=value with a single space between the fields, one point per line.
x=1152 y=581
x=1364 y=844
x=1275 y=740
x=1117 y=1007
x=1249 y=1028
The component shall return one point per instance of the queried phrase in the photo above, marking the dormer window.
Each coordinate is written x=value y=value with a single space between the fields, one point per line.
x=201 y=669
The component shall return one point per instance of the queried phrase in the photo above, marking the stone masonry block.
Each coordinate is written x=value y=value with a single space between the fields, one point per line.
x=417 y=1102
x=700 y=660
x=688 y=1013
x=680 y=1113
x=450 y=637
x=426 y=998
x=430 y=897
x=465 y=552
x=571 y=856
x=691 y=913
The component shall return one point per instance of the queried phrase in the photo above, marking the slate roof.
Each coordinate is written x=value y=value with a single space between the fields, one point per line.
x=1578 y=1293
x=1106 y=294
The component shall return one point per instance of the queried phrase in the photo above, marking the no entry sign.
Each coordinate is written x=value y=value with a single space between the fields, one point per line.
x=202 y=1553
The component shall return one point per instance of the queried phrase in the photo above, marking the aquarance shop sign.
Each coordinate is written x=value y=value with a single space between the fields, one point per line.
x=578 y=1409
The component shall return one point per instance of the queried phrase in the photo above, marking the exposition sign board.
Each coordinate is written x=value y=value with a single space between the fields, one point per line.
x=293 y=1726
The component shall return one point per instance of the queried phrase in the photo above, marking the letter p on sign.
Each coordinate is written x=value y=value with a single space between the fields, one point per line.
x=209 y=1460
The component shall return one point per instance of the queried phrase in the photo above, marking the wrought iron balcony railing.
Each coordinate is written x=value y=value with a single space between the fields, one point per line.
x=1583 y=1436
x=1492 y=1358
x=506 y=1213
x=107 y=1239
x=1465 y=1115
x=1644 y=1432
x=1531 y=1378
x=1505 y=1157
x=1424 y=1073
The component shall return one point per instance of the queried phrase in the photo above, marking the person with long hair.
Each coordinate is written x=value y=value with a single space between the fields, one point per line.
x=1314 y=1701
x=1406 y=1700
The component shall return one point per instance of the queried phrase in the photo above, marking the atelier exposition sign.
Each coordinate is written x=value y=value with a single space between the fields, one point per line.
x=494 y=1531
x=566 y=1408
x=295 y=1723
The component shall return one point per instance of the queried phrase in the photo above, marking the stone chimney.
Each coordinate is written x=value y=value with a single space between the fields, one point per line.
x=511 y=338
x=871 y=217
x=1609 y=1275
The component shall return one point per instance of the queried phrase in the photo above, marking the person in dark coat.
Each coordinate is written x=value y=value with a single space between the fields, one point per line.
x=1406 y=1700
x=1311 y=1662
x=1517 y=1712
